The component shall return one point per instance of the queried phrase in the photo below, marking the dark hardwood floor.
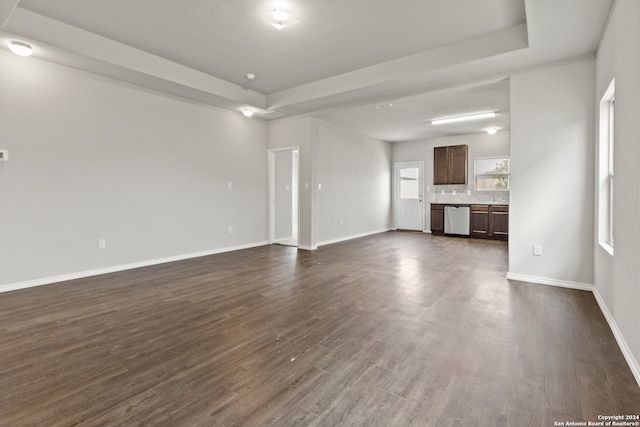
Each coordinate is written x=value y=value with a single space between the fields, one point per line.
x=396 y=329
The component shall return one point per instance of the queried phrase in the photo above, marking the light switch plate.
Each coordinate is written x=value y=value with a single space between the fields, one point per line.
x=4 y=155
x=537 y=250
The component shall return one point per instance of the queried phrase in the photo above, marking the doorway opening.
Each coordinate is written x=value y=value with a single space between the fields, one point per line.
x=284 y=171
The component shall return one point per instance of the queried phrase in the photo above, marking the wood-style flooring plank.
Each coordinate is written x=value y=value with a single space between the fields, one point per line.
x=398 y=328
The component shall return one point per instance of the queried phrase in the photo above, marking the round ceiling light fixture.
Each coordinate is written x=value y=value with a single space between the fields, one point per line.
x=248 y=112
x=20 y=48
x=281 y=18
x=492 y=131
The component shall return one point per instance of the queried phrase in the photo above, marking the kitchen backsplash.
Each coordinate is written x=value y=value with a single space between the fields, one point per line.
x=465 y=194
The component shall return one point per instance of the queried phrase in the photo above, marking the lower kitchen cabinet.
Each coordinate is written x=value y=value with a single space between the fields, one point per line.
x=479 y=226
x=437 y=219
x=499 y=222
x=490 y=221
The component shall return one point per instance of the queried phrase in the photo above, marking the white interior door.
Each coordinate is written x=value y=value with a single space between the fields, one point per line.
x=409 y=196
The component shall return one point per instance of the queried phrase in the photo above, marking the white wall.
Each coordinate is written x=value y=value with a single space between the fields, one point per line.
x=299 y=132
x=480 y=145
x=91 y=158
x=552 y=172
x=617 y=277
x=355 y=173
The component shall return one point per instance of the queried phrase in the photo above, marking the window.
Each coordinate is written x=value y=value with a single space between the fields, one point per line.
x=492 y=173
x=409 y=185
x=606 y=188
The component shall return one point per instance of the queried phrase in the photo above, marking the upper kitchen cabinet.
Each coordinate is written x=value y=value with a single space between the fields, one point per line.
x=450 y=165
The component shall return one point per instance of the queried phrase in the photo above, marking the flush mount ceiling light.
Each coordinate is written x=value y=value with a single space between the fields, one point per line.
x=492 y=131
x=19 y=48
x=280 y=18
x=384 y=106
x=463 y=118
x=248 y=112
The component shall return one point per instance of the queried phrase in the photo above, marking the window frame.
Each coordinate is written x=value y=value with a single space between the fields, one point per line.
x=607 y=170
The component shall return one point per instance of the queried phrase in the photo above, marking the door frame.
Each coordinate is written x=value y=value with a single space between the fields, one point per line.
x=272 y=190
x=396 y=190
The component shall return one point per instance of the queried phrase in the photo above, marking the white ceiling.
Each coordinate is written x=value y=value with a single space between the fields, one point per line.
x=409 y=118
x=338 y=60
x=230 y=38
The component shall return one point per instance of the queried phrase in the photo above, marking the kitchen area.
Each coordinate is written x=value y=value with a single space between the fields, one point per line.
x=466 y=183
x=460 y=208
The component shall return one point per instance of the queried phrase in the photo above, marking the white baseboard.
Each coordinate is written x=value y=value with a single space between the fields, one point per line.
x=550 y=282
x=106 y=270
x=284 y=239
x=626 y=351
x=353 y=236
x=307 y=248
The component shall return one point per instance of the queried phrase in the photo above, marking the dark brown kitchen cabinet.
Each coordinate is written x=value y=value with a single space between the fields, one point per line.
x=479 y=218
x=499 y=222
x=450 y=165
x=437 y=219
x=490 y=221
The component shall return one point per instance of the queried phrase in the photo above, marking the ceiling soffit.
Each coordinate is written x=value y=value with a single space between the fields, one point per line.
x=70 y=45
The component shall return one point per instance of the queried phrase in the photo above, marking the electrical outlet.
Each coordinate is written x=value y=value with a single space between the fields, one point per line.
x=537 y=250
x=341 y=223
x=229 y=229
x=102 y=244
x=306 y=185
x=319 y=186
x=229 y=186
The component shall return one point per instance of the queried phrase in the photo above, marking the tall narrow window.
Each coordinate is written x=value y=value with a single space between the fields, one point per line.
x=606 y=188
x=612 y=105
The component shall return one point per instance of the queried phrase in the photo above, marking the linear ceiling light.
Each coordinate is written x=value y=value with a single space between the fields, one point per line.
x=19 y=48
x=463 y=118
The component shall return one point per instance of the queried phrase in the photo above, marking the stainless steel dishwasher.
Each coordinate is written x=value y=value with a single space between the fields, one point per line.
x=456 y=220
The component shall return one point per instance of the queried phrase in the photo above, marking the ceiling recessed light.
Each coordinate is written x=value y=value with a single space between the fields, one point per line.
x=384 y=106
x=19 y=48
x=492 y=131
x=248 y=112
x=251 y=76
x=463 y=118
